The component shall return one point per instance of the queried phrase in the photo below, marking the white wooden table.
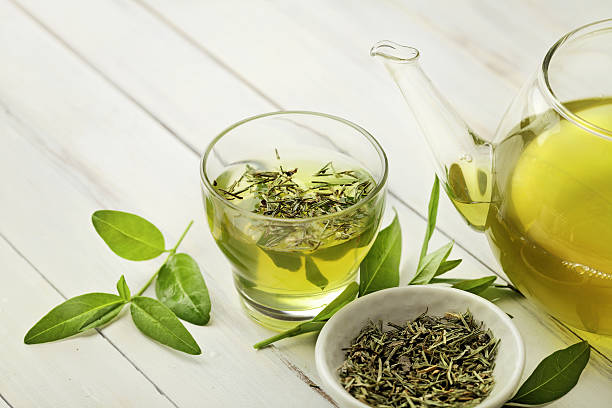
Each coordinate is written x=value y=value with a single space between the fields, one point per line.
x=108 y=104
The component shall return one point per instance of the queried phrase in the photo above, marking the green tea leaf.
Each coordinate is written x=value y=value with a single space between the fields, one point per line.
x=286 y=260
x=555 y=376
x=447 y=266
x=159 y=323
x=380 y=268
x=128 y=235
x=314 y=275
x=430 y=265
x=74 y=316
x=180 y=286
x=122 y=289
x=348 y=294
x=334 y=252
x=475 y=286
x=432 y=215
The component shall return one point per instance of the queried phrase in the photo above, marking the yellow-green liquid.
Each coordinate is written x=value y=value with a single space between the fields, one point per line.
x=549 y=218
x=285 y=280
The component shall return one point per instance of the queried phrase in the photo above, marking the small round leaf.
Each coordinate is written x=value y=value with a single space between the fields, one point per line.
x=128 y=235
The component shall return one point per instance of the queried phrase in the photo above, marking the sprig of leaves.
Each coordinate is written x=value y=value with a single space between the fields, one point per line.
x=180 y=288
x=435 y=263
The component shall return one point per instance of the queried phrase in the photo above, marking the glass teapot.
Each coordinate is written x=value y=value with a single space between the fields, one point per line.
x=541 y=190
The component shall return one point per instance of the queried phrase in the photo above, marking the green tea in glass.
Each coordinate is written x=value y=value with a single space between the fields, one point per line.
x=293 y=201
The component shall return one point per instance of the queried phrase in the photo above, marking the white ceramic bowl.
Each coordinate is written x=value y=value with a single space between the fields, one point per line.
x=405 y=303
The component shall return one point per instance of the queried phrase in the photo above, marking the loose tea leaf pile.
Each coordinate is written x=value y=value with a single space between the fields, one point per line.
x=428 y=362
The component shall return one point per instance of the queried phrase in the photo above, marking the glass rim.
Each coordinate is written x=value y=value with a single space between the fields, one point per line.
x=379 y=186
x=547 y=88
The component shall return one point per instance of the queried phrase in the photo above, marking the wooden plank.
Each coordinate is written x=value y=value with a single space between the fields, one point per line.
x=88 y=372
x=72 y=144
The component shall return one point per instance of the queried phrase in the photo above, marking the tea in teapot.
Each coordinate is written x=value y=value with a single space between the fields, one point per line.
x=541 y=190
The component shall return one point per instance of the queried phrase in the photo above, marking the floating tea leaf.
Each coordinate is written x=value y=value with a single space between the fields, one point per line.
x=314 y=275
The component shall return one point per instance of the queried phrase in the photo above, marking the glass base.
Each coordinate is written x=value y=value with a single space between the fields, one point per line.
x=281 y=320
x=273 y=319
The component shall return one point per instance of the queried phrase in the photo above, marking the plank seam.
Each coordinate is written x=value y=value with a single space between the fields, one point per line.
x=18 y=252
x=193 y=42
x=159 y=390
x=302 y=376
x=5 y=400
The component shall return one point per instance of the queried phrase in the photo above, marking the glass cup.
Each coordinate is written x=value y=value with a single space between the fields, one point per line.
x=287 y=269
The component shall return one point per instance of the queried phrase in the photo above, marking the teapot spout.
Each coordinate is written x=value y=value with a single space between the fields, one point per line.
x=464 y=161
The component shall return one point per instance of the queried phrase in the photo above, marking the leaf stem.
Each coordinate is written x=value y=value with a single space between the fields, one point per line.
x=173 y=250
x=288 y=333
x=170 y=253
x=141 y=291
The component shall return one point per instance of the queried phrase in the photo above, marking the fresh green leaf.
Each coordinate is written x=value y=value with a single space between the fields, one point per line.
x=475 y=286
x=380 y=268
x=317 y=323
x=555 y=376
x=432 y=215
x=159 y=323
x=447 y=266
x=181 y=287
x=430 y=265
x=314 y=275
x=74 y=316
x=122 y=289
x=128 y=235
x=347 y=296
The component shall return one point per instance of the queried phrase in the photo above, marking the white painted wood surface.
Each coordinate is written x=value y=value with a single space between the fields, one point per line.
x=107 y=104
